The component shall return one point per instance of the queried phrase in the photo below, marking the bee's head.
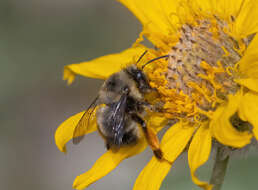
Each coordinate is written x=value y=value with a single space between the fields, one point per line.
x=139 y=77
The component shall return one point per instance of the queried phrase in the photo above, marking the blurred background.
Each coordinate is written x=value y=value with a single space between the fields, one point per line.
x=37 y=39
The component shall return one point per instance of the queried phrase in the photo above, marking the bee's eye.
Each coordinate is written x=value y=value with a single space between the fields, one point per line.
x=139 y=75
x=112 y=83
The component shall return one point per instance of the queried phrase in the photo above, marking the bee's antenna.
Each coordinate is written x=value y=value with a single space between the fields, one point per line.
x=161 y=57
x=141 y=56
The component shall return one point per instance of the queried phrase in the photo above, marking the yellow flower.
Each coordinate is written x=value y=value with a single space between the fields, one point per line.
x=209 y=84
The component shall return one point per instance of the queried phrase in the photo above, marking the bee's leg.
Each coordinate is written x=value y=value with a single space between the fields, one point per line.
x=155 y=108
x=107 y=146
x=151 y=137
x=147 y=105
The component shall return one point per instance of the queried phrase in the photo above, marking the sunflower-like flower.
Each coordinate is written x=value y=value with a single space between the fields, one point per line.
x=208 y=84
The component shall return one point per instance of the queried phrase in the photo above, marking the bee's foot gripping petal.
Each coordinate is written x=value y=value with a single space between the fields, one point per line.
x=158 y=154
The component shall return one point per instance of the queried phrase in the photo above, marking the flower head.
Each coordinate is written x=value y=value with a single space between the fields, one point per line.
x=208 y=85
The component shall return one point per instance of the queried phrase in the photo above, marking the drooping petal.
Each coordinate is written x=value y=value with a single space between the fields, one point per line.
x=103 y=67
x=198 y=154
x=249 y=109
x=106 y=163
x=221 y=127
x=65 y=131
x=172 y=145
x=247 y=20
x=250 y=83
x=248 y=65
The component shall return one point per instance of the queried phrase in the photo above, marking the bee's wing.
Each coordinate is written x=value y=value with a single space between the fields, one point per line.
x=118 y=118
x=84 y=122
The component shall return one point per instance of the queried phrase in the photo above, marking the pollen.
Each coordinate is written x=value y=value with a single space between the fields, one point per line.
x=200 y=71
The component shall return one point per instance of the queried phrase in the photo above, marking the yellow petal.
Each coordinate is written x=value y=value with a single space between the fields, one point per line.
x=172 y=145
x=248 y=65
x=221 y=127
x=250 y=83
x=152 y=175
x=156 y=121
x=247 y=20
x=249 y=109
x=198 y=154
x=69 y=75
x=65 y=131
x=223 y=9
x=104 y=66
x=151 y=13
x=175 y=140
x=106 y=163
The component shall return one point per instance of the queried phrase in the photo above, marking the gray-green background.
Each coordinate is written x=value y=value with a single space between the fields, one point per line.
x=39 y=37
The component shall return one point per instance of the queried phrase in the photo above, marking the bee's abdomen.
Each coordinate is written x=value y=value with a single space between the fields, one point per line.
x=128 y=133
x=129 y=138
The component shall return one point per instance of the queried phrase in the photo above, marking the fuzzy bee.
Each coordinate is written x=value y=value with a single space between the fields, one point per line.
x=119 y=120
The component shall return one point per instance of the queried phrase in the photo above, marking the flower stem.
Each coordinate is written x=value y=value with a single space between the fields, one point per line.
x=219 y=169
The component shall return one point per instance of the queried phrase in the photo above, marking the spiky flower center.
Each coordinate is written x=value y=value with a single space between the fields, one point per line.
x=200 y=70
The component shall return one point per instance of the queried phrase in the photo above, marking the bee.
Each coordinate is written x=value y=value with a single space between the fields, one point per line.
x=119 y=120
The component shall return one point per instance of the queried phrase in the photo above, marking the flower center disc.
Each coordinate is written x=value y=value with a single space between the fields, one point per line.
x=200 y=70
